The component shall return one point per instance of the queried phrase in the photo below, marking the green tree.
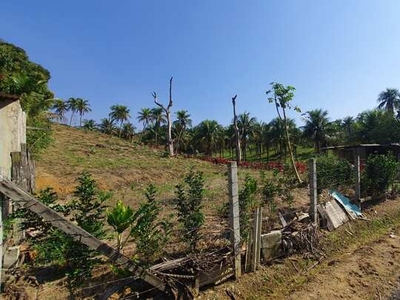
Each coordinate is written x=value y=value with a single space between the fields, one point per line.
x=180 y=126
x=107 y=126
x=73 y=107
x=128 y=131
x=157 y=119
x=282 y=97
x=82 y=107
x=389 y=100
x=316 y=127
x=246 y=125
x=145 y=116
x=119 y=113
x=89 y=125
x=207 y=135
x=189 y=203
x=60 y=108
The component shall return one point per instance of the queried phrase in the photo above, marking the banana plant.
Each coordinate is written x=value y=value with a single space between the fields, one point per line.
x=121 y=217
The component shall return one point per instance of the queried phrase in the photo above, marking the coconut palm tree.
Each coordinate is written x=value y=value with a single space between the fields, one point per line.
x=89 y=125
x=208 y=135
x=60 y=108
x=72 y=106
x=315 y=128
x=245 y=124
x=145 y=116
x=389 y=100
x=157 y=119
x=107 y=126
x=128 y=131
x=180 y=126
x=119 y=113
x=348 y=128
x=82 y=107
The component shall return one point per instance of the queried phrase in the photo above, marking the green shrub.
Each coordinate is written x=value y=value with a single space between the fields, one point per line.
x=189 y=198
x=280 y=185
x=52 y=246
x=333 y=172
x=149 y=231
x=247 y=202
x=380 y=171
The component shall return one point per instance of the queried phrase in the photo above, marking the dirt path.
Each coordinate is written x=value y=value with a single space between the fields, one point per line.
x=370 y=272
x=364 y=265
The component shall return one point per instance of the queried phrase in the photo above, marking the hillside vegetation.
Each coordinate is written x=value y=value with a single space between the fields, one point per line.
x=121 y=167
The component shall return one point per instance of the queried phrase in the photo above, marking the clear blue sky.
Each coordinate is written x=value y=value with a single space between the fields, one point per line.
x=339 y=54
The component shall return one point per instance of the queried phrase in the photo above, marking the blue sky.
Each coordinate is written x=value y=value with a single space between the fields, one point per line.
x=338 y=54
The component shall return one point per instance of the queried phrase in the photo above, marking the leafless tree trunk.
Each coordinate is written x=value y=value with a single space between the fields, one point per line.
x=238 y=150
x=167 y=111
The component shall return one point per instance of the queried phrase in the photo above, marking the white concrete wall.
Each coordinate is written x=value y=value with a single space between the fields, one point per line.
x=12 y=132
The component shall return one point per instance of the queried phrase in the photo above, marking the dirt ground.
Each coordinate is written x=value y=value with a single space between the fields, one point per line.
x=368 y=268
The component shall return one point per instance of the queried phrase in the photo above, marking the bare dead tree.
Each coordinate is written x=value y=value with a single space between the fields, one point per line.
x=235 y=126
x=167 y=110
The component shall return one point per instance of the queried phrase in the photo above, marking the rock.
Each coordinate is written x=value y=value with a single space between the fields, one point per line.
x=271 y=245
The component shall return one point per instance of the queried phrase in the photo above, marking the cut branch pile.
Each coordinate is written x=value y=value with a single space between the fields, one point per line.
x=301 y=238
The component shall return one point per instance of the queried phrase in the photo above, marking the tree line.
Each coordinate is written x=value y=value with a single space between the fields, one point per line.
x=259 y=140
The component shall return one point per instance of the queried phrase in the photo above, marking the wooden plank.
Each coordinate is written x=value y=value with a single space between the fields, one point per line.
x=215 y=276
x=11 y=190
x=248 y=258
x=258 y=250
x=234 y=216
x=333 y=213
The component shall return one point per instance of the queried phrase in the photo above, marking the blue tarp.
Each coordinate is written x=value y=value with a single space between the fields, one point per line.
x=351 y=209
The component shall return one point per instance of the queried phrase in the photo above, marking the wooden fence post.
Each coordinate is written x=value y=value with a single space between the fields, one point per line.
x=256 y=247
x=358 y=180
x=234 y=216
x=312 y=166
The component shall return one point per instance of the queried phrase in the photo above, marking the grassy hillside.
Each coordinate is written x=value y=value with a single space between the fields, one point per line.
x=121 y=167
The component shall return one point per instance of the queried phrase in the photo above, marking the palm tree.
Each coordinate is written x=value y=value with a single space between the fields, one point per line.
x=119 y=113
x=72 y=106
x=82 y=107
x=257 y=137
x=315 y=127
x=348 y=128
x=180 y=126
x=157 y=119
x=144 y=116
x=89 y=125
x=389 y=100
x=107 y=126
x=128 y=131
x=208 y=135
x=245 y=124
x=277 y=134
x=61 y=108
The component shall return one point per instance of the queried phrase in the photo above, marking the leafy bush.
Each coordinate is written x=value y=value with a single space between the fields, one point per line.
x=279 y=186
x=333 y=172
x=247 y=202
x=150 y=233
x=380 y=171
x=54 y=246
x=189 y=204
x=88 y=206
